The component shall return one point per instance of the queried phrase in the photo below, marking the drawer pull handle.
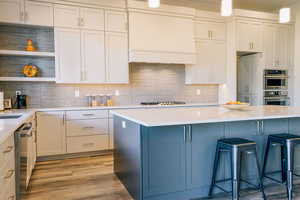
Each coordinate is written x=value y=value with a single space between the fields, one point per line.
x=8 y=149
x=88 y=144
x=88 y=114
x=88 y=127
x=9 y=174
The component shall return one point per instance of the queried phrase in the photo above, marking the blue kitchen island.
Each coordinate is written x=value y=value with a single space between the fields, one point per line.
x=168 y=153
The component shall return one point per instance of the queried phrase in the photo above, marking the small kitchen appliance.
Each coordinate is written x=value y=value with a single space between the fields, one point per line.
x=21 y=101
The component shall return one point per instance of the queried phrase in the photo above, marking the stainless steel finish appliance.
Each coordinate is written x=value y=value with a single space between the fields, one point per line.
x=276 y=87
x=25 y=150
x=275 y=79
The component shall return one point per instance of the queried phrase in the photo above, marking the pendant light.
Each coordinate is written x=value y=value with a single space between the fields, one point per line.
x=153 y=3
x=226 y=8
x=284 y=15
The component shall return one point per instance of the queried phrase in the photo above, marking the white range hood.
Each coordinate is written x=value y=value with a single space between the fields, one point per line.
x=161 y=35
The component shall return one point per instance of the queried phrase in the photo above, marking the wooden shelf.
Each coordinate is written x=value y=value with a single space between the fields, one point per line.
x=23 y=79
x=26 y=53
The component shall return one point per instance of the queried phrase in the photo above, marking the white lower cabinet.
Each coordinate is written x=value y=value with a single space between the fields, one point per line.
x=87 y=143
x=7 y=169
x=87 y=127
x=51 y=138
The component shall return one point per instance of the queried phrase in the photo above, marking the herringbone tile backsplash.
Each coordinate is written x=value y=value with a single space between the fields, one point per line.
x=148 y=82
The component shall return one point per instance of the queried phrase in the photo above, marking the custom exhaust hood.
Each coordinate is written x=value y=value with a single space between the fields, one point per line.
x=161 y=35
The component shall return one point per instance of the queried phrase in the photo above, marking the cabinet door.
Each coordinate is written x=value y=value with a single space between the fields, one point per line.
x=282 y=46
x=116 y=21
x=249 y=36
x=255 y=33
x=92 y=19
x=269 y=41
x=211 y=64
x=201 y=150
x=117 y=69
x=12 y=11
x=67 y=55
x=93 y=56
x=50 y=133
x=39 y=13
x=66 y=16
x=164 y=160
x=210 y=31
x=243 y=36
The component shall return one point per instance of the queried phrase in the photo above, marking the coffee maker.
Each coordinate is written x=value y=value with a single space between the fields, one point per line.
x=21 y=101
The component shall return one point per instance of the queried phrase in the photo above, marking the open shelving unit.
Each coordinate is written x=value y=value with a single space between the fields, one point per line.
x=13 y=40
x=26 y=53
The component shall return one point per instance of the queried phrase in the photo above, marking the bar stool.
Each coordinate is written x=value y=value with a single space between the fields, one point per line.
x=287 y=143
x=236 y=147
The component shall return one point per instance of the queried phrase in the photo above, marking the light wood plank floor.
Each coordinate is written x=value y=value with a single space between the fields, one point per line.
x=92 y=178
x=88 y=178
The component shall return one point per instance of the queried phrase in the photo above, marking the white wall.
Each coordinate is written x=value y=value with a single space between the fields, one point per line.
x=296 y=82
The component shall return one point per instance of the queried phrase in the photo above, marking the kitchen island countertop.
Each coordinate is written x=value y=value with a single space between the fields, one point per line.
x=197 y=115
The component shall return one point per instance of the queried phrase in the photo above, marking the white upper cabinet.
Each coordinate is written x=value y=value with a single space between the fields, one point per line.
x=249 y=36
x=12 y=11
x=92 y=19
x=78 y=17
x=269 y=42
x=211 y=64
x=93 y=56
x=116 y=21
x=68 y=56
x=210 y=31
x=37 y=13
x=117 y=68
x=67 y=16
x=277 y=45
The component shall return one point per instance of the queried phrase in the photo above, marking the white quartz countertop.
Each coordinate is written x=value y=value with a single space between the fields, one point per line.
x=197 y=115
x=9 y=126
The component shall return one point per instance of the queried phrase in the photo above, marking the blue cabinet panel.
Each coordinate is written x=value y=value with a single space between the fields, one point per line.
x=164 y=160
x=201 y=147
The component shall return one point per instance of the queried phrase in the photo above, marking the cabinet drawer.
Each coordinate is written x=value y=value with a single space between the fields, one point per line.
x=87 y=127
x=87 y=143
x=87 y=114
x=7 y=179
x=7 y=150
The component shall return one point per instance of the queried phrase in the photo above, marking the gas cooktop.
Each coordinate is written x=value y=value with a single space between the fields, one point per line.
x=162 y=103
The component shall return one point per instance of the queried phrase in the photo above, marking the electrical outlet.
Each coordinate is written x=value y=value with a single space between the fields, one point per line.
x=77 y=93
x=117 y=93
x=18 y=92
x=198 y=92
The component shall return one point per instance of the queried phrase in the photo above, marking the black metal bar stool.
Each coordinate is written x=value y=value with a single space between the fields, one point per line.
x=236 y=147
x=287 y=143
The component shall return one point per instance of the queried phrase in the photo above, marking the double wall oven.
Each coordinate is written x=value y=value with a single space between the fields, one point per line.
x=276 y=87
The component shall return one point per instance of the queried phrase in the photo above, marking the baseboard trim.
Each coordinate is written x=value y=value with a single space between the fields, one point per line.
x=74 y=155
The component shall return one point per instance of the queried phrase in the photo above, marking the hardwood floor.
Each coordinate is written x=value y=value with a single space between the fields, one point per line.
x=92 y=178
x=88 y=178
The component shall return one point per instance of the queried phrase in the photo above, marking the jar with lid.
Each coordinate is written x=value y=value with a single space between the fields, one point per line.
x=101 y=101
x=94 y=100
x=109 y=101
x=89 y=99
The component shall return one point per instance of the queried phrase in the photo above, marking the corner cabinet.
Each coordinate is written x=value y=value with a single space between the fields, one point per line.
x=51 y=134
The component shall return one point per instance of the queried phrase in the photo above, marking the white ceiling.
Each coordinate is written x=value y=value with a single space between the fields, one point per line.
x=214 y=5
